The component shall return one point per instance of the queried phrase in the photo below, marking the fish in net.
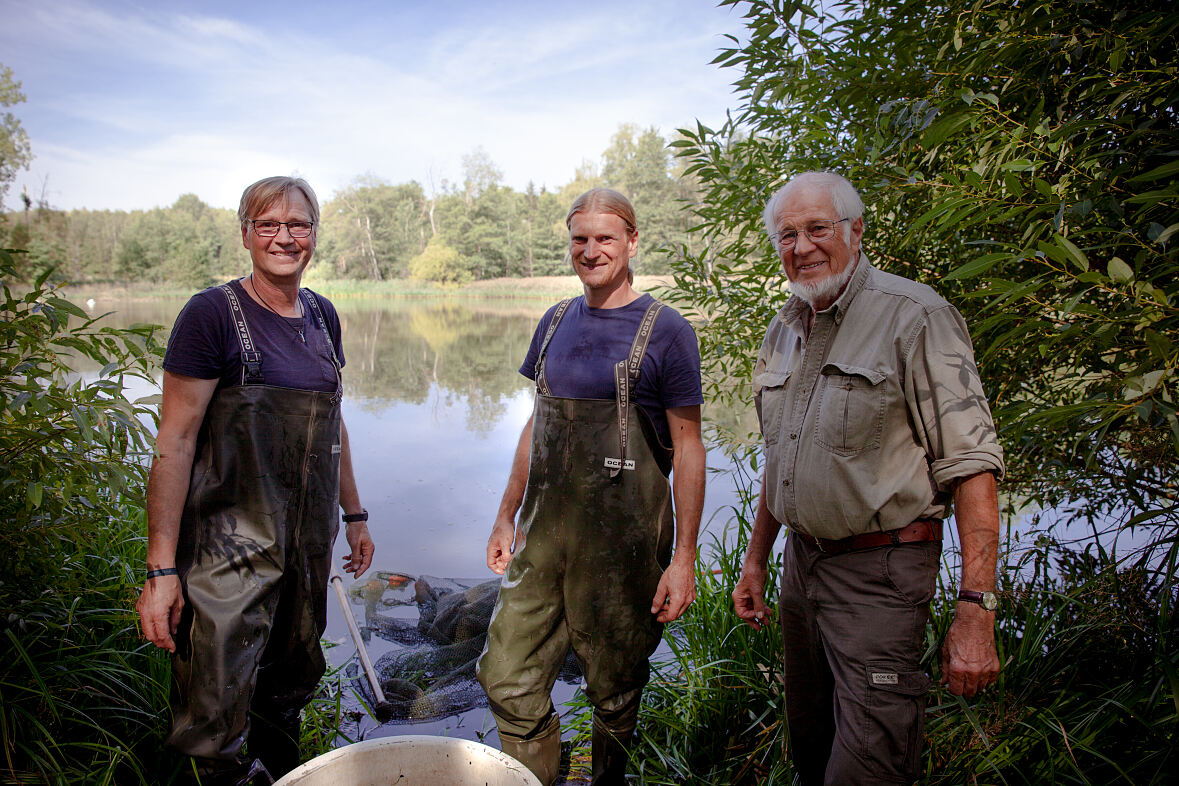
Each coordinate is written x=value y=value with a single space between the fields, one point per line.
x=437 y=628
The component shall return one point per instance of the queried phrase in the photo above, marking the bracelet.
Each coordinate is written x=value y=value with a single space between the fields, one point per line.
x=151 y=574
x=351 y=517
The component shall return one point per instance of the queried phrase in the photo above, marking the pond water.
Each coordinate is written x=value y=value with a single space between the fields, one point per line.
x=434 y=406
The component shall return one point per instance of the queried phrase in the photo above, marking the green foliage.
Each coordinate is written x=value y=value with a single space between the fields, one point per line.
x=15 y=152
x=80 y=695
x=441 y=263
x=1021 y=160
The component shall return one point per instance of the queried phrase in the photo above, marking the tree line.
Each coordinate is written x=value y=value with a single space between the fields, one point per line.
x=372 y=229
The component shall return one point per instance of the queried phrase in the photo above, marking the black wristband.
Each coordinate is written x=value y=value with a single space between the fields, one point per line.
x=151 y=574
x=351 y=517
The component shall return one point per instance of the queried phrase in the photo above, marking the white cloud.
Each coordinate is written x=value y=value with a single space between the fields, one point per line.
x=130 y=106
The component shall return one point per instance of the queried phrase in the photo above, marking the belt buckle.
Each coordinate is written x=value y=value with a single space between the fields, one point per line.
x=819 y=545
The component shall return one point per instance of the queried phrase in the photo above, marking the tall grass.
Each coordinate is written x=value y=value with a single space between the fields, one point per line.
x=1087 y=693
x=82 y=699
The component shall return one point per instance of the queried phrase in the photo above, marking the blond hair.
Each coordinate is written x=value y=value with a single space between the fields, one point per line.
x=262 y=195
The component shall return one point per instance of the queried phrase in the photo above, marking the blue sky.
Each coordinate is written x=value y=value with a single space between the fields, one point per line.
x=132 y=103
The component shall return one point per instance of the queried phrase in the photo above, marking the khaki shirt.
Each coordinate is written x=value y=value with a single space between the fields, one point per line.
x=870 y=418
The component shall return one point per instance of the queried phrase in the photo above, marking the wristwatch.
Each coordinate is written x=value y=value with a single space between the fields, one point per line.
x=988 y=600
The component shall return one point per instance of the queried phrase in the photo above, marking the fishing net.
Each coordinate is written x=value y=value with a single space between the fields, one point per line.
x=437 y=628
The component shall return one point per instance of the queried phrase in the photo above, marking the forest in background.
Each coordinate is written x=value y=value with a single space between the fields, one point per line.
x=372 y=230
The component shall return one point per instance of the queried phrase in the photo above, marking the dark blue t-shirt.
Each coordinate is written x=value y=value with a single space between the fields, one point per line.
x=204 y=342
x=589 y=341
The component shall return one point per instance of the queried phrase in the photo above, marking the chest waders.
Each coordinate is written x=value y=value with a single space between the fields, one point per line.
x=254 y=555
x=597 y=527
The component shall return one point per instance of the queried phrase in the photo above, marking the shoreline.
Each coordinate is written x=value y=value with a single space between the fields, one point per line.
x=534 y=288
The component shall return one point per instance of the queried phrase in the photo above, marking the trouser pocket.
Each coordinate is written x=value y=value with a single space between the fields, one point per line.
x=894 y=712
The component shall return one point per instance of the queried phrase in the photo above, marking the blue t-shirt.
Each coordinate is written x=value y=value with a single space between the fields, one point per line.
x=295 y=352
x=589 y=341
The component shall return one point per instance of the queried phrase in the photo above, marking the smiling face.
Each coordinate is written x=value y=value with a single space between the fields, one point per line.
x=281 y=258
x=817 y=271
x=600 y=247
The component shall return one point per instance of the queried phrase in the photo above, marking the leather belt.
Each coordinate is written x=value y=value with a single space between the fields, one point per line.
x=920 y=531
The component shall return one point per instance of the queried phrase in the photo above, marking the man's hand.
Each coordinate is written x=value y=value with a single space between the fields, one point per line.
x=969 y=660
x=159 y=605
x=676 y=590
x=362 y=547
x=749 y=597
x=499 y=545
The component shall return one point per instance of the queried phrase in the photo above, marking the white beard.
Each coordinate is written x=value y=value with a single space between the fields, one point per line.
x=826 y=290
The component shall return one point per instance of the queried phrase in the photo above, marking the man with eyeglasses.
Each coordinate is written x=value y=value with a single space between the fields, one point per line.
x=874 y=421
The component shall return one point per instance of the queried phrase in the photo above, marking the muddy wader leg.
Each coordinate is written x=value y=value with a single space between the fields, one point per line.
x=540 y=754
x=611 y=744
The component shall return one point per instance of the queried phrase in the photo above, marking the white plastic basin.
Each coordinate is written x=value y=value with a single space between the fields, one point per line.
x=412 y=760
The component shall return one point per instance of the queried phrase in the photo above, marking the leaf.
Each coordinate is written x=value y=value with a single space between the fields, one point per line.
x=1158 y=173
x=1165 y=235
x=1141 y=385
x=1119 y=272
x=976 y=267
x=1075 y=254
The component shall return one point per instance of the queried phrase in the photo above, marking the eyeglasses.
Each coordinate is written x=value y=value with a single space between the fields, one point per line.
x=267 y=228
x=817 y=232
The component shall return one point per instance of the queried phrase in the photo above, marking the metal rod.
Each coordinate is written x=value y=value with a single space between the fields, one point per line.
x=383 y=709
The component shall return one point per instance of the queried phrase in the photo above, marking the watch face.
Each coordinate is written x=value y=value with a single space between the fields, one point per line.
x=988 y=600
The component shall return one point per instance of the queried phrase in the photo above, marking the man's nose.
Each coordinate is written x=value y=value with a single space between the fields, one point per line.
x=803 y=243
x=592 y=249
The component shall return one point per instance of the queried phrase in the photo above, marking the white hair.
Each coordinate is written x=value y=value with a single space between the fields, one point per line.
x=844 y=198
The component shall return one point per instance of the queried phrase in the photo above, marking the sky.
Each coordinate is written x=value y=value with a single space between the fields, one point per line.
x=132 y=103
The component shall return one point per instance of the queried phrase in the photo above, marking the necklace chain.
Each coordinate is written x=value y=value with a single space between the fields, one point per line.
x=285 y=320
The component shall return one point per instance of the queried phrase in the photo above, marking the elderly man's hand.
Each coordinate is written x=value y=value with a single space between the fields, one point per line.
x=362 y=547
x=749 y=597
x=969 y=660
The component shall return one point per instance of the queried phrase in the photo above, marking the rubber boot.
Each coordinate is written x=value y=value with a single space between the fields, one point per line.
x=541 y=754
x=611 y=752
x=275 y=741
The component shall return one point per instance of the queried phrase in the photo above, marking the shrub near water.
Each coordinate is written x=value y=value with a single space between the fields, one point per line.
x=81 y=697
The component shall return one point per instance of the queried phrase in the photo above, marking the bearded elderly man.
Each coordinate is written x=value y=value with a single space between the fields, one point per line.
x=874 y=420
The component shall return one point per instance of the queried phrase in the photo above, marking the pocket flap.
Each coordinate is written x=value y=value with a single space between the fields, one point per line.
x=874 y=376
x=770 y=379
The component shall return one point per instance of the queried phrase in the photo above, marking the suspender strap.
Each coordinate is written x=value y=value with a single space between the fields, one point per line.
x=313 y=301
x=542 y=384
x=626 y=376
x=251 y=356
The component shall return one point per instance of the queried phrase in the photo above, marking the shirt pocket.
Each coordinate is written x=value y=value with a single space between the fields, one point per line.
x=850 y=419
x=771 y=388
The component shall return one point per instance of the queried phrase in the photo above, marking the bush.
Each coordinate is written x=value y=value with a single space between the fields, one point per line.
x=82 y=699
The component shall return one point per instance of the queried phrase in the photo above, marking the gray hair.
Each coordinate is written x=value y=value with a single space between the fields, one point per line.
x=844 y=198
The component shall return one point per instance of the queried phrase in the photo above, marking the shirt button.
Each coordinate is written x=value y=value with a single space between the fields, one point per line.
x=794 y=436
x=785 y=483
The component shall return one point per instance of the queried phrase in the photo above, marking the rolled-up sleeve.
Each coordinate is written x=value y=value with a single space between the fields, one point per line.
x=947 y=403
